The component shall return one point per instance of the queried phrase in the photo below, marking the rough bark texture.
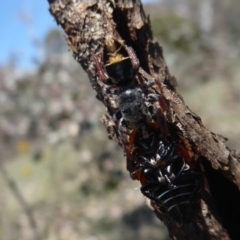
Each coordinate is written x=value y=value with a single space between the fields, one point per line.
x=86 y=24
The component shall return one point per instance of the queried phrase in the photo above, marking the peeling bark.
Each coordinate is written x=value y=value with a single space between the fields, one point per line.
x=86 y=24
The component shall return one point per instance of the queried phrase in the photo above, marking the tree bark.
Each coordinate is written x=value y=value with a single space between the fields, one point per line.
x=86 y=24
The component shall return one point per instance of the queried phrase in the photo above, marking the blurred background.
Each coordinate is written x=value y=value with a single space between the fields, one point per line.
x=60 y=177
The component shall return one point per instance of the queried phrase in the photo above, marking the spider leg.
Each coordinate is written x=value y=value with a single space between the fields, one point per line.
x=127 y=138
x=133 y=58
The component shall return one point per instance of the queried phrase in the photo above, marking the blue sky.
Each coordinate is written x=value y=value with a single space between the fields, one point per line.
x=22 y=22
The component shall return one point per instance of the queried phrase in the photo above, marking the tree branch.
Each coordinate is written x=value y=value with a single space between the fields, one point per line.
x=86 y=24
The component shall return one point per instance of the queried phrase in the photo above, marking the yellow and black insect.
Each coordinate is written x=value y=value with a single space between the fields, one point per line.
x=120 y=63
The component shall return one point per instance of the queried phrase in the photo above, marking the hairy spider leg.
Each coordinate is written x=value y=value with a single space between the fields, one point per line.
x=135 y=61
x=127 y=138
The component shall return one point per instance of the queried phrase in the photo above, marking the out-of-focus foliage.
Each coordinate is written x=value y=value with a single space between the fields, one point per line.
x=179 y=33
x=204 y=57
x=55 y=43
x=51 y=104
x=57 y=152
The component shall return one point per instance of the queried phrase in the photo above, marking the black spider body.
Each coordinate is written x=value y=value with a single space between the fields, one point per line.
x=131 y=105
x=174 y=190
x=154 y=150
